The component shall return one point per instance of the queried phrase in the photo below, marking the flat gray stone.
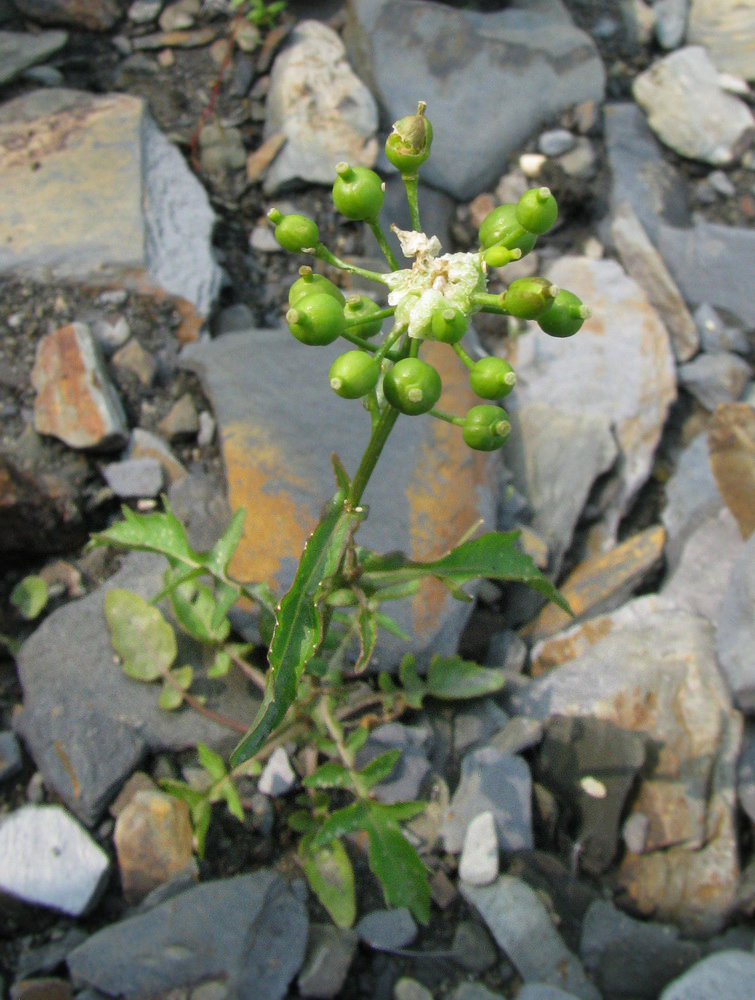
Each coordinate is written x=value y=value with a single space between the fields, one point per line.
x=134 y=477
x=735 y=632
x=10 y=756
x=531 y=48
x=85 y=723
x=387 y=929
x=670 y=22
x=692 y=496
x=716 y=335
x=715 y=378
x=249 y=931
x=330 y=951
x=541 y=991
x=48 y=859
x=21 y=49
x=727 y=975
x=522 y=927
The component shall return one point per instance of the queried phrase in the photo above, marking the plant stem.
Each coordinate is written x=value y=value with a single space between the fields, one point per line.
x=380 y=236
x=411 y=183
x=463 y=356
x=488 y=302
x=448 y=417
x=322 y=253
x=371 y=455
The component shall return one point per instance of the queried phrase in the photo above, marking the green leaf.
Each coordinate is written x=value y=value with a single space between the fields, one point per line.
x=492 y=556
x=180 y=790
x=414 y=687
x=342 y=821
x=160 y=532
x=196 y=613
x=30 y=596
x=450 y=677
x=140 y=635
x=183 y=676
x=397 y=866
x=381 y=767
x=232 y=800
x=212 y=762
x=170 y=698
x=300 y=626
x=357 y=739
x=220 y=665
x=392 y=627
x=201 y=815
x=330 y=775
x=302 y=821
x=331 y=878
x=398 y=811
x=342 y=477
x=220 y=554
x=367 y=628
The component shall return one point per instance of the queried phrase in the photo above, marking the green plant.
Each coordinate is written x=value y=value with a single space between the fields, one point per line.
x=323 y=632
x=260 y=12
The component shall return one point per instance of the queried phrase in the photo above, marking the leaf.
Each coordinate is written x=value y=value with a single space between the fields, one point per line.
x=367 y=627
x=392 y=627
x=397 y=866
x=220 y=554
x=160 y=532
x=30 y=596
x=196 y=613
x=201 y=815
x=450 y=677
x=357 y=740
x=414 y=687
x=299 y=627
x=170 y=698
x=302 y=821
x=399 y=811
x=140 y=635
x=342 y=477
x=330 y=775
x=342 y=821
x=381 y=767
x=212 y=762
x=220 y=665
x=180 y=790
x=492 y=556
x=331 y=878
x=232 y=800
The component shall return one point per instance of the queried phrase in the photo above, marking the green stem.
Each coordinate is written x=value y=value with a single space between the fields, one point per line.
x=371 y=455
x=411 y=183
x=448 y=417
x=391 y=337
x=381 y=314
x=322 y=253
x=488 y=302
x=380 y=236
x=463 y=356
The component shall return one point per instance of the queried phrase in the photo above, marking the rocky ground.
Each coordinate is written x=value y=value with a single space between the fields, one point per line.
x=590 y=832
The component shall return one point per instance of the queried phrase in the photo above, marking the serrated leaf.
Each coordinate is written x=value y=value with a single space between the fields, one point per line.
x=450 y=677
x=342 y=821
x=170 y=698
x=30 y=596
x=380 y=768
x=330 y=775
x=212 y=762
x=300 y=625
x=331 y=878
x=492 y=556
x=140 y=635
x=398 y=867
x=160 y=532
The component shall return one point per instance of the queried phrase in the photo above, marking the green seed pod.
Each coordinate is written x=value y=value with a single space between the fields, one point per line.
x=316 y=319
x=295 y=233
x=499 y=256
x=501 y=228
x=354 y=374
x=408 y=145
x=448 y=325
x=310 y=282
x=564 y=316
x=537 y=210
x=358 y=192
x=486 y=427
x=358 y=309
x=412 y=386
x=492 y=378
x=528 y=298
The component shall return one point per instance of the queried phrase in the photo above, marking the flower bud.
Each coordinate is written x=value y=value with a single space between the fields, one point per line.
x=528 y=298
x=408 y=145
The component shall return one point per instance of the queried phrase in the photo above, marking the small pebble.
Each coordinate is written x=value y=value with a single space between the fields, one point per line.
x=479 y=857
x=556 y=141
x=410 y=989
x=387 y=929
x=278 y=777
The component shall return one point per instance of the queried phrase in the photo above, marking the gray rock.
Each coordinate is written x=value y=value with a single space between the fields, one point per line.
x=387 y=929
x=326 y=114
x=48 y=859
x=727 y=975
x=474 y=991
x=692 y=496
x=134 y=477
x=688 y=110
x=495 y=781
x=530 y=48
x=249 y=931
x=21 y=49
x=735 y=632
x=630 y=957
x=640 y=173
x=746 y=772
x=519 y=733
x=472 y=947
x=405 y=780
x=10 y=756
x=160 y=227
x=712 y=263
x=619 y=387
x=556 y=141
x=278 y=777
x=85 y=723
x=410 y=989
x=670 y=22
x=541 y=991
x=522 y=927
x=715 y=335
x=478 y=864
x=724 y=27
x=646 y=266
x=715 y=378
x=475 y=723
x=330 y=951
x=581 y=161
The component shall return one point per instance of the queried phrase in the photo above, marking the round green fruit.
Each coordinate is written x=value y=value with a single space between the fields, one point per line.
x=528 y=298
x=357 y=192
x=357 y=312
x=565 y=315
x=501 y=228
x=492 y=378
x=448 y=325
x=354 y=374
x=309 y=282
x=295 y=233
x=486 y=428
x=412 y=386
x=316 y=319
x=537 y=210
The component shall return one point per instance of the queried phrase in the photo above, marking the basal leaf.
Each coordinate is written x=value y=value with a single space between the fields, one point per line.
x=450 y=677
x=397 y=866
x=331 y=878
x=30 y=596
x=140 y=635
x=299 y=626
x=380 y=768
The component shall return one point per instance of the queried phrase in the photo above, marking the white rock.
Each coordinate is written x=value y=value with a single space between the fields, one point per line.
x=48 y=859
x=725 y=28
x=278 y=777
x=478 y=864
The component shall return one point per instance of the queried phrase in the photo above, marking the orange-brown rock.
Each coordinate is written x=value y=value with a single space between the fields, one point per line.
x=731 y=445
